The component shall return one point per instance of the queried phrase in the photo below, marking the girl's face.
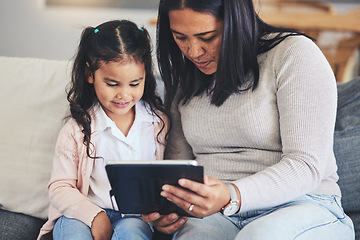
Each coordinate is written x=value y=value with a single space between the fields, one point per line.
x=119 y=86
x=198 y=35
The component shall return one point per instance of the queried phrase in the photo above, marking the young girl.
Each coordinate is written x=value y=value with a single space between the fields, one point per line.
x=115 y=115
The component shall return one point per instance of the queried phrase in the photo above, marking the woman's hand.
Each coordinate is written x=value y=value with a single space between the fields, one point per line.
x=101 y=228
x=207 y=198
x=167 y=224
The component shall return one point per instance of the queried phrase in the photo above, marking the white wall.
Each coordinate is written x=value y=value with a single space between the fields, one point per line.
x=30 y=29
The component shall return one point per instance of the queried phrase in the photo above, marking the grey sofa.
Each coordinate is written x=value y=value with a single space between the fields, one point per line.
x=20 y=217
x=347 y=148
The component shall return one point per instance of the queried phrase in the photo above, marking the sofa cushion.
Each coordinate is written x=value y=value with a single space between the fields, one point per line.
x=32 y=105
x=347 y=143
x=17 y=226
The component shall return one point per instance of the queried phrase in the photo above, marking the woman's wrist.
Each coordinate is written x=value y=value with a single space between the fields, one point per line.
x=233 y=205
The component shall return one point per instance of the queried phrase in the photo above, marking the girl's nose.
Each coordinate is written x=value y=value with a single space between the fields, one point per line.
x=122 y=93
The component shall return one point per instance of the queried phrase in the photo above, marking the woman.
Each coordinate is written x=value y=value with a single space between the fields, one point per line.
x=255 y=105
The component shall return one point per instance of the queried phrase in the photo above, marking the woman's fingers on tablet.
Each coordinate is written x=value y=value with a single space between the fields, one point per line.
x=184 y=199
x=199 y=188
x=177 y=195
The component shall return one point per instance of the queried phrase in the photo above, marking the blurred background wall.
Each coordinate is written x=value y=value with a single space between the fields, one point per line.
x=30 y=28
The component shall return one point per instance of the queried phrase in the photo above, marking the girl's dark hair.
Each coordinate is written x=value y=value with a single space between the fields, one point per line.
x=111 y=41
x=242 y=41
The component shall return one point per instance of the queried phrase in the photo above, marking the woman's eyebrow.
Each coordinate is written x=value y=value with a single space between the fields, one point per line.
x=198 y=34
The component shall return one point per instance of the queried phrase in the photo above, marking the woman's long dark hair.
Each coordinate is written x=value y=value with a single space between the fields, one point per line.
x=242 y=41
x=111 y=41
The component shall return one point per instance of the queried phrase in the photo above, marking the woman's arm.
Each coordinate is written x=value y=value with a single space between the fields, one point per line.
x=306 y=102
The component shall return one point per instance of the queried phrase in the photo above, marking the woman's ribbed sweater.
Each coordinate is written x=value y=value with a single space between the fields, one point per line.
x=276 y=142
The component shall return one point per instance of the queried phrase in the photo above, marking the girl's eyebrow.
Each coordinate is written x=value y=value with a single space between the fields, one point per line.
x=198 y=34
x=114 y=81
x=137 y=80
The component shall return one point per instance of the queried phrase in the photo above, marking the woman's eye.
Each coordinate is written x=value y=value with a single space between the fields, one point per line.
x=207 y=39
x=134 y=84
x=111 y=84
x=180 y=38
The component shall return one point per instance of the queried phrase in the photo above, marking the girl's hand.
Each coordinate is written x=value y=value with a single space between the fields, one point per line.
x=167 y=224
x=101 y=228
x=207 y=198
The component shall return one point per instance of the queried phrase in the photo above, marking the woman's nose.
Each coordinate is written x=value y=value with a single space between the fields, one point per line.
x=195 y=50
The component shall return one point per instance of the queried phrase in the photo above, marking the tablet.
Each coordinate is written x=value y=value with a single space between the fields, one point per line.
x=136 y=185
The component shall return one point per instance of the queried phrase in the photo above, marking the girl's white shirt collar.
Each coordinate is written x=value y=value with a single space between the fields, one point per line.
x=142 y=114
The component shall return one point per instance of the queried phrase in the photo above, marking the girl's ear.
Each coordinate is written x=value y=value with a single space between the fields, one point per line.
x=89 y=74
x=90 y=79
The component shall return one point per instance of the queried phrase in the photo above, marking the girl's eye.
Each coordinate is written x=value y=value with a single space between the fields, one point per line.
x=134 y=84
x=111 y=84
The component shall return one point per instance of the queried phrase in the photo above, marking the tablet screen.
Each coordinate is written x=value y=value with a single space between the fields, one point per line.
x=136 y=185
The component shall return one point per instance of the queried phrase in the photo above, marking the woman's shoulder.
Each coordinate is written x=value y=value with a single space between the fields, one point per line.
x=295 y=57
x=295 y=48
x=297 y=43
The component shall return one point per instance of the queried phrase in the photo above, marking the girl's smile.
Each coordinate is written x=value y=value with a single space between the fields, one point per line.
x=121 y=105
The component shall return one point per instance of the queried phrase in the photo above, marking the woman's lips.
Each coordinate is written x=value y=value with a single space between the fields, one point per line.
x=121 y=105
x=201 y=64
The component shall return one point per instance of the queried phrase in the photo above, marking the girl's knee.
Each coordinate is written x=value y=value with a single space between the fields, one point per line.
x=68 y=228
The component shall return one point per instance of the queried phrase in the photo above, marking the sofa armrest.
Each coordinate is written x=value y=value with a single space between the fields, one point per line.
x=346 y=148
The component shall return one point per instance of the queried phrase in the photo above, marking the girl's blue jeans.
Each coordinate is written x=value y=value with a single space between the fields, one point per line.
x=127 y=228
x=311 y=217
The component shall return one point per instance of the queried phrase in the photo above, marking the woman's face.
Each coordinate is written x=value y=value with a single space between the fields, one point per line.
x=198 y=35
